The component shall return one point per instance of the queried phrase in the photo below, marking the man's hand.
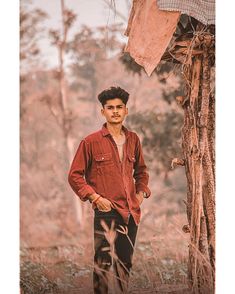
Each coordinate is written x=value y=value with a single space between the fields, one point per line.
x=102 y=204
x=140 y=197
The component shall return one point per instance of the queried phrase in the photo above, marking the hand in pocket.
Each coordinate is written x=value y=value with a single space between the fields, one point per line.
x=104 y=204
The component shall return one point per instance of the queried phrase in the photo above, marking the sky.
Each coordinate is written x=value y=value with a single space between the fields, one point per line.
x=92 y=13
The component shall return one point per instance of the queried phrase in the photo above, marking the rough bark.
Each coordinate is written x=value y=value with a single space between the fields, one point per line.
x=198 y=150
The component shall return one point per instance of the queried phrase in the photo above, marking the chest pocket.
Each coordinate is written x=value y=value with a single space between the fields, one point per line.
x=131 y=158
x=104 y=159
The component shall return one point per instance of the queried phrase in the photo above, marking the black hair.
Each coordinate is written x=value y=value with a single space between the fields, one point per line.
x=112 y=93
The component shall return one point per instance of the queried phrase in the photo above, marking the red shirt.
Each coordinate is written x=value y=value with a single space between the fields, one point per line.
x=97 y=168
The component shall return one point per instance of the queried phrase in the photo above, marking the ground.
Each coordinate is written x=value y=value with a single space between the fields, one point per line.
x=159 y=262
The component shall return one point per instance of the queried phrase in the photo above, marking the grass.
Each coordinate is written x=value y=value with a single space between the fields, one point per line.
x=159 y=262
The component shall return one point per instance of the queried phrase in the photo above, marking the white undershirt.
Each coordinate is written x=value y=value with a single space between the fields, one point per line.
x=120 y=144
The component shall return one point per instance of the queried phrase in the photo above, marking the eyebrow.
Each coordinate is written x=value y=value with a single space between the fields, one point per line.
x=115 y=105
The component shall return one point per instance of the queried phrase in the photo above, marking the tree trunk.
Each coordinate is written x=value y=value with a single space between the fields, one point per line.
x=198 y=149
x=66 y=115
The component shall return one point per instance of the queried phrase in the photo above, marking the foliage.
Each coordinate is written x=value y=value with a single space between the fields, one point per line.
x=92 y=66
x=86 y=49
x=69 y=18
x=161 y=136
x=31 y=29
x=89 y=45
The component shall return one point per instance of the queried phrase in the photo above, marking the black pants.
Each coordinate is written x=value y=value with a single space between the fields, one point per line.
x=112 y=247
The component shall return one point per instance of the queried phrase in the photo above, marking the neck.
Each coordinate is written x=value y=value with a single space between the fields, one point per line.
x=115 y=130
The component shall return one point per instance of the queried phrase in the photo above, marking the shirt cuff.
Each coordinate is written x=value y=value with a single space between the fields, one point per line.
x=86 y=192
x=143 y=188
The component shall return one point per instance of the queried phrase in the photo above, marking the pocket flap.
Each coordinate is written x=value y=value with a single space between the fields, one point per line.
x=103 y=157
x=131 y=158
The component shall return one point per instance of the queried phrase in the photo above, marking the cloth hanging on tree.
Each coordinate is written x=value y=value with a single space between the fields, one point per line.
x=150 y=31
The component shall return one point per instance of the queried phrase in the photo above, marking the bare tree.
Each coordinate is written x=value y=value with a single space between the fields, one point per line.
x=65 y=117
x=196 y=54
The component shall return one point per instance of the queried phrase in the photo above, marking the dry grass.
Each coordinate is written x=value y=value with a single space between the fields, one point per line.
x=159 y=263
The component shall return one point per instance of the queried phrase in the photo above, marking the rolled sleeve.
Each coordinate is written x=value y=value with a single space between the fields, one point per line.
x=143 y=188
x=141 y=175
x=76 y=177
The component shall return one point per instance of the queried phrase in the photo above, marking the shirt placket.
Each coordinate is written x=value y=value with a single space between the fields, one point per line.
x=124 y=177
x=122 y=168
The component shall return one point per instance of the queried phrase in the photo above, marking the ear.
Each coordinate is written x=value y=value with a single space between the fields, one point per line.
x=102 y=111
x=126 y=111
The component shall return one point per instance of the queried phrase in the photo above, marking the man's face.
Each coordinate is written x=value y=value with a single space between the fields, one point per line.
x=114 y=111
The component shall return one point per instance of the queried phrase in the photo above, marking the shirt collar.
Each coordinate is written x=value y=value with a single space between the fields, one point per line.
x=105 y=131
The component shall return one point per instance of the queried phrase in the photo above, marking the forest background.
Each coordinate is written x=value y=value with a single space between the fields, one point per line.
x=48 y=215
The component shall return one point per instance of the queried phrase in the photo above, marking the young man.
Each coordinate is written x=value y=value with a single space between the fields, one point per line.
x=109 y=171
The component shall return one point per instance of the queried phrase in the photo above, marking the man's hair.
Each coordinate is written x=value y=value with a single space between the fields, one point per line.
x=112 y=93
